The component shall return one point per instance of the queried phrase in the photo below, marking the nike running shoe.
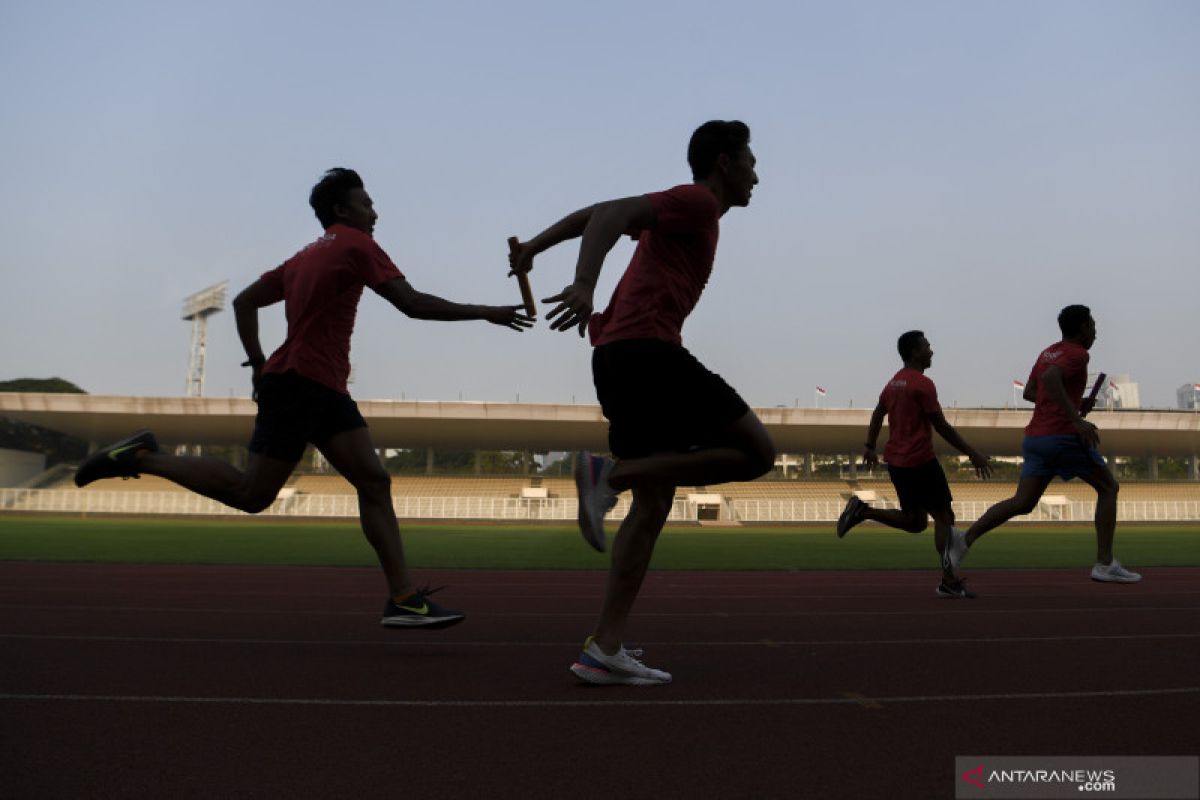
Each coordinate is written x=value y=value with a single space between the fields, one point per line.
x=955 y=552
x=596 y=497
x=851 y=515
x=418 y=611
x=116 y=461
x=1114 y=573
x=952 y=590
x=620 y=669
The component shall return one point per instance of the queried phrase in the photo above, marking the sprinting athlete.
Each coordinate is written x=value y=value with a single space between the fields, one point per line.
x=672 y=422
x=910 y=403
x=301 y=390
x=1059 y=441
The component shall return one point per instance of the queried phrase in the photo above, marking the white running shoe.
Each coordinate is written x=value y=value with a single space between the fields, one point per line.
x=596 y=497
x=1114 y=573
x=620 y=669
x=955 y=552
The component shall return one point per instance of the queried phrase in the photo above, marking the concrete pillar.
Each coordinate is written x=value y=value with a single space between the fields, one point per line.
x=478 y=463
x=1153 y=461
x=428 y=460
x=853 y=467
x=808 y=465
x=1194 y=468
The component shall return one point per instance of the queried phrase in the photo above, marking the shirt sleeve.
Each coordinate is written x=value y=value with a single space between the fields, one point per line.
x=372 y=265
x=273 y=280
x=684 y=209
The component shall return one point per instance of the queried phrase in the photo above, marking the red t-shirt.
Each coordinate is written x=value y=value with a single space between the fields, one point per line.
x=668 y=271
x=1048 y=417
x=321 y=286
x=910 y=398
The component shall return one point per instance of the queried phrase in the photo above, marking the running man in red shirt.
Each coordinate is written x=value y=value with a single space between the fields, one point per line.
x=672 y=422
x=1059 y=441
x=301 y=390
x=910 y=403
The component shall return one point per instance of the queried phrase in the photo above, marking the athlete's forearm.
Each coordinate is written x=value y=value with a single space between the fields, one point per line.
x=605 y=226
x=875 y=427
x=952 y=436
x=432 y=307
x=569 y=227
x=245 y=317
x=1058 y=393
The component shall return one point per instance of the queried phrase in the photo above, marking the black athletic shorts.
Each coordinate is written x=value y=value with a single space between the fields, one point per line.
x=921 y=488
x=659 y=398
x=293 y=411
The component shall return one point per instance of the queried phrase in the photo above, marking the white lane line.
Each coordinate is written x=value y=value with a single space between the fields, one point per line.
x=782 y=701
x=943 y=608
x=768 y=643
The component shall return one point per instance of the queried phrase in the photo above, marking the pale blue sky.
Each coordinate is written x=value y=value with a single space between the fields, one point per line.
x=962 y=167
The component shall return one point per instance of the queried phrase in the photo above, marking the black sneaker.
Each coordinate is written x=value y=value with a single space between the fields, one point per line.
x=418 y=611
x=851 y=515
x=953 y=590
x=116 y=461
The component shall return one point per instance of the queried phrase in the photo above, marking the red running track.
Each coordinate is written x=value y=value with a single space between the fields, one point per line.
x=180 y=682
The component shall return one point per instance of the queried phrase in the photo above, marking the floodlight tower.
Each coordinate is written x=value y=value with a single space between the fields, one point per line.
x=198 y=308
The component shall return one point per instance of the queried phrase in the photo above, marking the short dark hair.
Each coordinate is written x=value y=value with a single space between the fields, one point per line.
x=1072 y=319
x=330 y=191
x=711 y=140
x=908 y=342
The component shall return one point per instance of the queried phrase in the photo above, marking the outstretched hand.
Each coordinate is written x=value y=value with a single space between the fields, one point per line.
x=1088 y=433
x=980 y=462
x=512 y=317
x=574 y=308
x=869 y=457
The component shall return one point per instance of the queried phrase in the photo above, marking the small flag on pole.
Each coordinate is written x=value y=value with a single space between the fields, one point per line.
x=1114 y=388
x=1017 y=384
x=821 y=391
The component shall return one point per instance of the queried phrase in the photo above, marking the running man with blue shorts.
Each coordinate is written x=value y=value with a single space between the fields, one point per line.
x=1059 y=441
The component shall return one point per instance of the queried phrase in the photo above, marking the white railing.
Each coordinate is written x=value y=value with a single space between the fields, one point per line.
x=525 y=508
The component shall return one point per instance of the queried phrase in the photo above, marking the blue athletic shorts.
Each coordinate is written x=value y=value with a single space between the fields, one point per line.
x=1064 y=456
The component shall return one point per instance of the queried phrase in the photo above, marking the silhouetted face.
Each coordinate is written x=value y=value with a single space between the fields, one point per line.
x=922 y=354
x=740 y=177
x=1087 y=334
x=358 y=211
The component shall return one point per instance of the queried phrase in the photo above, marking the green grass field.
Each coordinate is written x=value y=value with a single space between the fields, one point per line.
x=269 y=541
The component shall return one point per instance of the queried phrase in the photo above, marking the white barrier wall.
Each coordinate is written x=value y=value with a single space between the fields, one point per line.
x=527 y=508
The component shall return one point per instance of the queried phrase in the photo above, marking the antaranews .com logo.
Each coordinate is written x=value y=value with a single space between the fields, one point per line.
x=1149 y=777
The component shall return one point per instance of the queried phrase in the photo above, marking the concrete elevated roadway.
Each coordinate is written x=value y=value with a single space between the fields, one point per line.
x=101 y=419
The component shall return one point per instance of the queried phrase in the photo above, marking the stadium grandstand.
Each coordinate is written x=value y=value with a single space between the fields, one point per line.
x=818 y=440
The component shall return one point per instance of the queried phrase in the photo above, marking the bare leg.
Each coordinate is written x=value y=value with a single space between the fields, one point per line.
x=1106 y=486
x=743 y=453
x=910 y=521
x=252 y=490
x=632 y=549
x=943 y=521
x=352 y=453
x=1029 y=491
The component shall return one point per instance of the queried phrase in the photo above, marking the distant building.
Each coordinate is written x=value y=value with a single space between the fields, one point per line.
x=1118 y=392
x=1189 y=396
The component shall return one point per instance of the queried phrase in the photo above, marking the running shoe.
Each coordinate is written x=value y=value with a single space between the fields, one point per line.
x=116 y=461
x=851 y=515
x=952 y=590
x=620 y=669
x=418 y=611
x=955 y=552
x=596 y=497
x=1114 y=573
